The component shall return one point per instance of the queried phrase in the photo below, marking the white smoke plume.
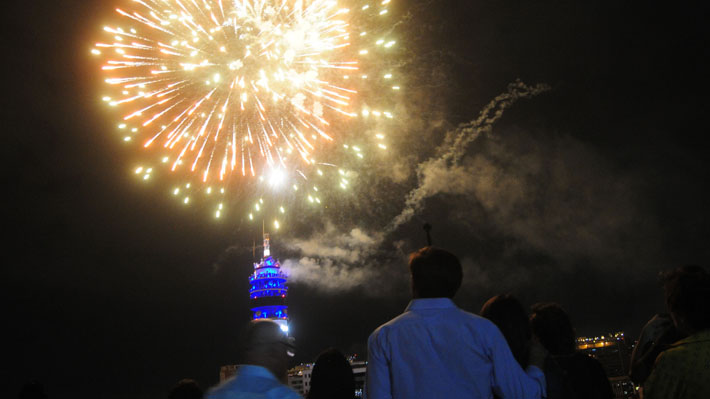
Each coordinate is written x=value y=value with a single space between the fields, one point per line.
x=350 y=247
x=430 y=172
x=325 y=273
x=333 y=261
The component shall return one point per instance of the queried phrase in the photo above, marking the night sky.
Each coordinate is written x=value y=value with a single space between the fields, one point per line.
x=580 y=195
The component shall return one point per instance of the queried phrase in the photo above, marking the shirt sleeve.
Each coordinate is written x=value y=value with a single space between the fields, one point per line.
x=509 y=379
x=378 y=373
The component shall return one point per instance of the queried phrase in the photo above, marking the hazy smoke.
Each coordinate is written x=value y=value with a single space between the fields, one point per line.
x=433 y=174
x=324 y=273
x=351 y=247
x=333 y=260
x=560 y=197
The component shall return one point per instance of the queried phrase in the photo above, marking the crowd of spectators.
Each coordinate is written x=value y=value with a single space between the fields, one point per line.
x=434 y=349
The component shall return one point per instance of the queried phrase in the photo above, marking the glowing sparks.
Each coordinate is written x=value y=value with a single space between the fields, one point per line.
x=245 y=89
x=240 y=86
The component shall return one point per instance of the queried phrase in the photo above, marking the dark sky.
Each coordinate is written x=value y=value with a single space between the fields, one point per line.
x=579 y=195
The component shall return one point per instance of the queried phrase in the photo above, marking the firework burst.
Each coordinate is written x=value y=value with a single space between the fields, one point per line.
x=225 y=91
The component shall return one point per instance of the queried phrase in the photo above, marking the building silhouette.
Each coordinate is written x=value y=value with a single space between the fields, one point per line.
x=299 y=377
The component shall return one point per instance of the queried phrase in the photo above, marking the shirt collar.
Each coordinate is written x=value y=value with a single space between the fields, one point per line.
x=430 y=303
x=255 y=371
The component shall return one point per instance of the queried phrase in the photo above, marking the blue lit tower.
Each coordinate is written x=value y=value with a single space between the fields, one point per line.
x=268 y=289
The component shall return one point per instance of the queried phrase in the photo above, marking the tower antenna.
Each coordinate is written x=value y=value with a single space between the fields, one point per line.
x=427 y=228
x=269 y=289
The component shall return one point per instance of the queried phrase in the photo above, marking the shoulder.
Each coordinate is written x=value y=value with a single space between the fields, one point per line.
x=383 y=331
x=672 y=357
x=266 y=389
x=455 y=316
x=283 y=392
x=668 y=361
x=476 y=320
x=222 y=390
x=401 y=321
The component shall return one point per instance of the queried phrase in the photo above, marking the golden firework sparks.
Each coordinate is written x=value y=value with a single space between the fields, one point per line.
x=245 y=88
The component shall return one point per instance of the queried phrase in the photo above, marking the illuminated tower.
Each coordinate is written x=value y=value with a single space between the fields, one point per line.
x=268 y=289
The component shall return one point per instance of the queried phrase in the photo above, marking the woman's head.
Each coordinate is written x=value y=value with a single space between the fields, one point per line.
x=687 y=291
x=332 y=377
x=552 y=326
x=506 y=312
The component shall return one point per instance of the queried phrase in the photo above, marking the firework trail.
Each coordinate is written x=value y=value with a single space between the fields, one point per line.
x=454 y=147
x=347 y=257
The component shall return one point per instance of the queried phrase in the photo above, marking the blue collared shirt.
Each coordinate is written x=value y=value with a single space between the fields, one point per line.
x=436 y=350
x=253 y=382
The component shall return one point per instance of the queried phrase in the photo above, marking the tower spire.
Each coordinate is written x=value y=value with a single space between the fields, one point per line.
x=267 y=250
x=268 y=289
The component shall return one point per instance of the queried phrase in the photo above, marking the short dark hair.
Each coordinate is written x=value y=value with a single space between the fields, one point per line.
x=436 y=273
x=687 y=291
x=552 y=326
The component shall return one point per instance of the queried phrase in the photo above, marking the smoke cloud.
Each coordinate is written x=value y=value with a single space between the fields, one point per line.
x=432 y=174
x=535 y=204
x=332 y=260
x=351 y=247
x=336 y=260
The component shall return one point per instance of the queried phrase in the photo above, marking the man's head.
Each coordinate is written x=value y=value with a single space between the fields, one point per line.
x=436 y=273
x=687 y=291
x=269 y=347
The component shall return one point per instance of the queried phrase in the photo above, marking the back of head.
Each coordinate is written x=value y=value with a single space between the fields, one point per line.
x=186 y=389
x=268 y=346
x=332 y=377
x=687 y=291
x=33 y=390
x=552 y=326
x=506 y=312
x=436 y=273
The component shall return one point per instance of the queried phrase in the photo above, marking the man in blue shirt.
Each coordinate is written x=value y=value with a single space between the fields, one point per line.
x=436 y=350
x=266 y=363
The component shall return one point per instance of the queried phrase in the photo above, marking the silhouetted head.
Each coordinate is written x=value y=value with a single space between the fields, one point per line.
x=332 y=377
x=186 y=389
x=269 y=347
x=510 y=316
x=551 y=325
x=436 y=273
x=687 y=291
x=33 y=390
